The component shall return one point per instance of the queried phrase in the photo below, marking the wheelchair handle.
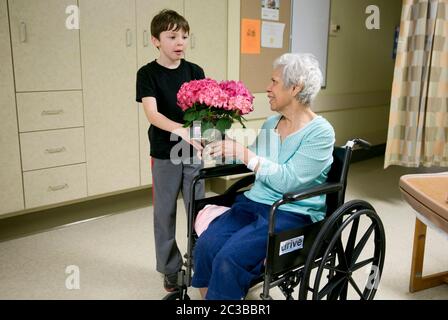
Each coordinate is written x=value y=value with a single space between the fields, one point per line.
x=363 y=144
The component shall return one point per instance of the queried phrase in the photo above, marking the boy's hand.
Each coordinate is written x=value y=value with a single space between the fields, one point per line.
x=184 y=133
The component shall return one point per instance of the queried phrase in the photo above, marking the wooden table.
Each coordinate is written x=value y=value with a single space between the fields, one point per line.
x=428 y=195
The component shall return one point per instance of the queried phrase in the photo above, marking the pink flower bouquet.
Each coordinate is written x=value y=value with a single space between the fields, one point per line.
x=215 y=104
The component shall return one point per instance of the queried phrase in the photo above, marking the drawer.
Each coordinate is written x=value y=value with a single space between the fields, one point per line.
x=49 y=110
x=49 y=186
x=46 y=149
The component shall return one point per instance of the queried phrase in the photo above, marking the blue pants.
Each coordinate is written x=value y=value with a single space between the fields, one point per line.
x=231 y=252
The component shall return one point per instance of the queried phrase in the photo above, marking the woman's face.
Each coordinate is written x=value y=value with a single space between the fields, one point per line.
x=278 y=95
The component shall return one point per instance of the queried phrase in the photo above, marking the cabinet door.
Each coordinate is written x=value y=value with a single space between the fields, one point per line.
x=208 y=36
x=46 y=52
x=11 y=191
x=146 y=53
x=146 y=10
x=109 y=63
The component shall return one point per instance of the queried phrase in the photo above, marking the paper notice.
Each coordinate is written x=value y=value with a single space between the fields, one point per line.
x=272 y=34
x=270 y=9
x=250 y=36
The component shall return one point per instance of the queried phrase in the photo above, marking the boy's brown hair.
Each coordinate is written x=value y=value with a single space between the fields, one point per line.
x=167 y=20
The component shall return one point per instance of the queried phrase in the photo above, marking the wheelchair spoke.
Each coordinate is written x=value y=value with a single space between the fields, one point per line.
x=362 y=243
x=355 y=286
x=351 y=239
x=341 y=254
x=361 y=264
x=330 y=286
x=340 y=292
x=331 y=268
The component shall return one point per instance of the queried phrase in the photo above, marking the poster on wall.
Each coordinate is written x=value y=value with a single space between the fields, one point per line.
x=270 y=9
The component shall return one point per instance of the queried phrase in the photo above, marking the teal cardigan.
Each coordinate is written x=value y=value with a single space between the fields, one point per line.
x=302 y=160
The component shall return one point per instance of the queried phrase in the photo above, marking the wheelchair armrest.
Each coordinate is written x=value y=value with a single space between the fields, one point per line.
x=316 y=191
x=301 y=194
x=224 y=170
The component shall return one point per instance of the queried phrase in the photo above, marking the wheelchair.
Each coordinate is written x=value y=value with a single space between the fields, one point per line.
x=338 y=258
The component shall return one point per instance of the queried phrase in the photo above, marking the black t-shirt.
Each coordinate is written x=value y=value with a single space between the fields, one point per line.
x=154 y=80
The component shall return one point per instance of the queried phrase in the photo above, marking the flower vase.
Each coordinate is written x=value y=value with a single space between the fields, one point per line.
x=211 y=135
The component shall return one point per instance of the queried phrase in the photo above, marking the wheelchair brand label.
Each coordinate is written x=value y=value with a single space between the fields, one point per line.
x=291 y=245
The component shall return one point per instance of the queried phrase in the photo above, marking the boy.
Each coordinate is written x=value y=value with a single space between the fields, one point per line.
x=157 y=85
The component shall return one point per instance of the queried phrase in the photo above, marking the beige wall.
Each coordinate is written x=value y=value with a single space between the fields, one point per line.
x=359 y=70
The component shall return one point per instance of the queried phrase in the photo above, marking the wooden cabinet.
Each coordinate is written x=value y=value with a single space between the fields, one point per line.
x=51 y=129
x=208 y=38
x=46 y=53
x=46 y=61
x=54 y=185
x=70 y=126
x=49 y=110
x=109 y=64
x=110 y=111
x=11 y=190
x=53 y=148
x=146 y=10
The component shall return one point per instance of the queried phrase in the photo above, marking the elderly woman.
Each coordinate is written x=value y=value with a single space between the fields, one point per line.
x=293 y=150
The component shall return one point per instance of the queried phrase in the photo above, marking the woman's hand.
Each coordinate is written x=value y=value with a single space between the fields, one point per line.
x=229 y=149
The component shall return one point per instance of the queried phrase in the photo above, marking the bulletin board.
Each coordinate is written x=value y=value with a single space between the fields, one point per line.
x=256 y=68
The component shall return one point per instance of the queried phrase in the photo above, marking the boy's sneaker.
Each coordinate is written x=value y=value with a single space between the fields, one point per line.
x=170 y=282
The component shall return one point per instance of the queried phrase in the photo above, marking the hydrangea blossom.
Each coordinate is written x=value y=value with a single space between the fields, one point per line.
x=215 y=104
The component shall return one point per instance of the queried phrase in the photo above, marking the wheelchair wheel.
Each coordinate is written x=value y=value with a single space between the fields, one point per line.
x=177 y=295
x=347 y=255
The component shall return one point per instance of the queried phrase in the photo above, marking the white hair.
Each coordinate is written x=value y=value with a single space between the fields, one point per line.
x=301 y=69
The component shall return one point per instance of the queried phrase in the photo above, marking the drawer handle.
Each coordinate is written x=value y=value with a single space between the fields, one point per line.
x=128 y=37
x=23 y=34
x=58 y=188
x=55 y=150
x=52 y=112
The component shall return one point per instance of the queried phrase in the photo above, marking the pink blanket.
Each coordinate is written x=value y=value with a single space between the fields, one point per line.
x=207 y=215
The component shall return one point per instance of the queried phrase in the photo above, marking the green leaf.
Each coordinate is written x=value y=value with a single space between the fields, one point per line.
x=191 y=116
x=223 y=124
x=203 y=113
